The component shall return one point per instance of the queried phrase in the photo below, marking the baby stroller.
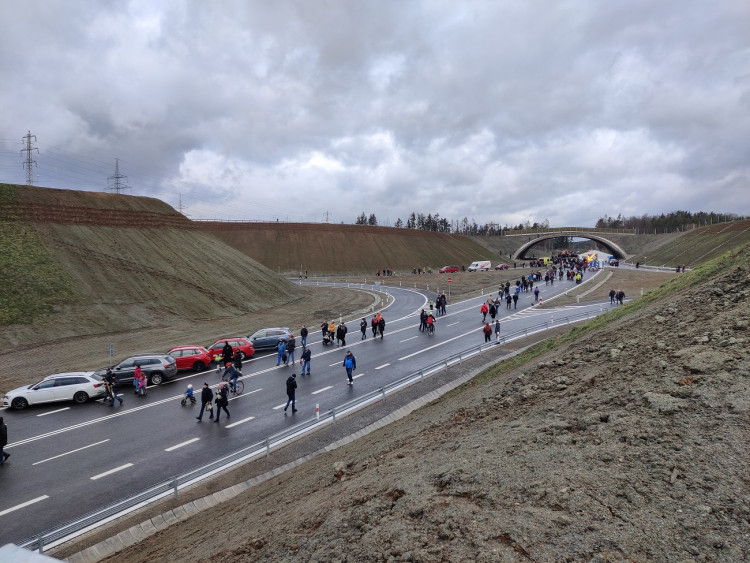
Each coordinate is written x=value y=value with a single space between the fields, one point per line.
x=188 y=396
x=327 y=339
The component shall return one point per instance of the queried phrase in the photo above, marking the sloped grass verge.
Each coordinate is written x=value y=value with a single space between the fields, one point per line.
x=739 y=257
x=32 y=281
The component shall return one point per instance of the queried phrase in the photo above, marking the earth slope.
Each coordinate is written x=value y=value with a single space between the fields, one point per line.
x=624 y=440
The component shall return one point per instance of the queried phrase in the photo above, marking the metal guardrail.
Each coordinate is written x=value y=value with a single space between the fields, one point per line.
x=96 y=518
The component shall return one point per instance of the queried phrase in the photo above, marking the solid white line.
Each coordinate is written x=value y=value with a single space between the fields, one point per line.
x=115 y=470
x=71 y=452
x=239 y=422
x=172 y=448
x=27 y=503
x=53 y=412
x=383 y=366
x=321 y=390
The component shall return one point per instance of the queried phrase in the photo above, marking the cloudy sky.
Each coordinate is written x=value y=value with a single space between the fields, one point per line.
x=497 y=111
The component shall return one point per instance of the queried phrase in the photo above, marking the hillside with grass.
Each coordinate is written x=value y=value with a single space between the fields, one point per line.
x=328 y=248
x=76 y=263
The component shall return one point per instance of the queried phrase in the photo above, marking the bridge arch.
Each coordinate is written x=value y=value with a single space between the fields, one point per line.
x=613 y=248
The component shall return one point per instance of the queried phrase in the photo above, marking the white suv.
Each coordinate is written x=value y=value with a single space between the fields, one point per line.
x=78 y=386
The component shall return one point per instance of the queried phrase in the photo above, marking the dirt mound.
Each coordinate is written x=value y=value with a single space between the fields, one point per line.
x=625 y=441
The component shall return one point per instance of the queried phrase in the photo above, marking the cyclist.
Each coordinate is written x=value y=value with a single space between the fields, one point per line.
x=231 y=374
x=430 y=323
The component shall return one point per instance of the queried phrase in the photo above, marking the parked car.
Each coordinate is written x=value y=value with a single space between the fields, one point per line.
x=501 y=267
x=78 y=386
x=448 y=269
x=266 y=338
x=191 y=357
x=247 y=350
x=480 y=266
x=156 y=367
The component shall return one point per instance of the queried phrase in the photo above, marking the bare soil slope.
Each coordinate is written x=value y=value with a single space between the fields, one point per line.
x=323 y=248
x=619 y=441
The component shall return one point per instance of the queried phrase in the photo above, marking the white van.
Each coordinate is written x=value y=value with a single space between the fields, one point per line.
x=480 y=266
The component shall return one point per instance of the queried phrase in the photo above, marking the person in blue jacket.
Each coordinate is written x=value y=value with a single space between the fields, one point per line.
x=350 y=363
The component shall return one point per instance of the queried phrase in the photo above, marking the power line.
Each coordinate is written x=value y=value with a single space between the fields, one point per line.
x=118 y=187
x=29 y=163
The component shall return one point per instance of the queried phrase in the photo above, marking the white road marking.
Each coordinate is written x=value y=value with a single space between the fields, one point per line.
x=172 y=448
x=332 y=365
x=71 y=452
x=321 y=390
x=452 y=324
x=239 y=422
x=22 y=505
x=115 y=470
x=358 y=375
x=407 y=339
x=281 y=406
x=383 y=366
x=53 y=412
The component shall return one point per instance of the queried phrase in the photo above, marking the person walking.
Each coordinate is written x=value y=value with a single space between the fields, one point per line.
x=222 y=400
x=497 y=329
x=515 y=301
x=350 y=363
x=303 y=336
x=363 y=328
x=487 y=332
x=342 y=330
x=493 y=311
x=324 y=330
x=290 y=346
x=422 y=320
x=536 y=294
x=484 y=310
x=374 y=326
x=305 y=360
x=111 y=383
x=508 y=299
x=227 y=353
x=381 y=325
x=280 y=352
x=3 y=441
x=291 y=386
x=612 y=294
x=237 y=359
x=206 y=397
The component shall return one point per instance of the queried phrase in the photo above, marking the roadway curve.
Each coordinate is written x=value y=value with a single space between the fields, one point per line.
x=71 y=459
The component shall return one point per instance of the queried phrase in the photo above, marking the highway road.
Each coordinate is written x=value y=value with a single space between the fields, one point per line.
x=68 y=459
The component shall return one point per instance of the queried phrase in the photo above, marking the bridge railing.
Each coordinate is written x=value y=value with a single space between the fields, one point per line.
x=566 y=230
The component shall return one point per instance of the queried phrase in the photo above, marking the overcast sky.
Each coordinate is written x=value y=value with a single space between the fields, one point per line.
x=497 y=111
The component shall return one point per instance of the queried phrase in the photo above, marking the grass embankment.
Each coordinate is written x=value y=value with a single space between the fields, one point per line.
x=33 y=281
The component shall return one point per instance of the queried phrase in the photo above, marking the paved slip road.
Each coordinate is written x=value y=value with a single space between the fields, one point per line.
x=71 y=459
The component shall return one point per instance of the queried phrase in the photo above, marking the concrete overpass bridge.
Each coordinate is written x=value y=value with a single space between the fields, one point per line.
x=535 y=236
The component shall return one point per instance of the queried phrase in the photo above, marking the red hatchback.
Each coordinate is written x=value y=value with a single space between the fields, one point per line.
x=448 y=269
x=191 y=357
x=501 y=267
x=237 y=343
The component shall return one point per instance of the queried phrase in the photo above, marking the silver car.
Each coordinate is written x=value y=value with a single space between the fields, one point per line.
x=269 y=338
x=78 y=386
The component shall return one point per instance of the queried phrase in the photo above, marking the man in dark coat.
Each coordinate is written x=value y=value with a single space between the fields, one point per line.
x=206 y=397
x=291 y=387
x=3 y=441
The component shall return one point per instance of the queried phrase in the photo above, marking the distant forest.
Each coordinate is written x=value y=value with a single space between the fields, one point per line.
x=664 y=223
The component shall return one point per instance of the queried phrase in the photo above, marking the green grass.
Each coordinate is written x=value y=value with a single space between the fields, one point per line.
x=32 y=281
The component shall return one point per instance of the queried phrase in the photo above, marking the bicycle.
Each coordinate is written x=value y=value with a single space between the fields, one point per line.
x=430 y=329
x=240 y=384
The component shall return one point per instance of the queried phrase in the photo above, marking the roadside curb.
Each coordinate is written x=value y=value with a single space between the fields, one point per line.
x=141 y=531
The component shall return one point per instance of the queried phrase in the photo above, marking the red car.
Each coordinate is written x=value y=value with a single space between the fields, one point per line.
x=448 y=269
x=191 y=357
x=501 y=267
x=237 y=343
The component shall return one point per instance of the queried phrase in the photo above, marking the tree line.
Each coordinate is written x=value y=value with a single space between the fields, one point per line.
x=666 y=222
